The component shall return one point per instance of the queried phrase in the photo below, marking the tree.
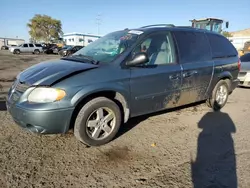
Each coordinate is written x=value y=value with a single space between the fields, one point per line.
x=44 y=28
x=226 y=34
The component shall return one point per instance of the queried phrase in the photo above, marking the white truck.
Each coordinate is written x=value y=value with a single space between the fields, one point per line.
x=27 y=48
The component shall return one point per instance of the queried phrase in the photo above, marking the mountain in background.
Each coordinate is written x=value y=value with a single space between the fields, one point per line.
x=241 y=33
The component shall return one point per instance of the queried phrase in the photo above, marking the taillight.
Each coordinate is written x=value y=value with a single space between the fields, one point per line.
x=239 y=64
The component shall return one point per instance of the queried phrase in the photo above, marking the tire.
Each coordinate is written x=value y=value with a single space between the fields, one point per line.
x=222 y=88
x=16 y=52
x=36 y=52
x=85 y=134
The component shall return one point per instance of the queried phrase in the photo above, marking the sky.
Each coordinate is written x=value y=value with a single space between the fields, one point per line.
x=81 y=15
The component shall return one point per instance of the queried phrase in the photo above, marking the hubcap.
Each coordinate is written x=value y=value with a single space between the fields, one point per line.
x=101 y=123
x=221 y=95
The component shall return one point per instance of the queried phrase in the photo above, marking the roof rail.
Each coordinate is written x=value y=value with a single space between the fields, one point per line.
x=156 y=25
x=185 y=26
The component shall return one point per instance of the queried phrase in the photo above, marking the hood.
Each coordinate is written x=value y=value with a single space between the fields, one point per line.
x=245 y=66
x=46 y=73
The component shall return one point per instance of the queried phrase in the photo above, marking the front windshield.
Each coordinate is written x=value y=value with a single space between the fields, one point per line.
x=107 y=48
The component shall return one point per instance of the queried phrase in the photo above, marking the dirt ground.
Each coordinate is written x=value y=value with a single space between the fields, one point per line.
x=188 y=147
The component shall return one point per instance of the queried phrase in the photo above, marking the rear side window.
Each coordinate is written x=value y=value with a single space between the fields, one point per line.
x=193 y=46
x=221 y=46
x=245 y=58
x=31 y=45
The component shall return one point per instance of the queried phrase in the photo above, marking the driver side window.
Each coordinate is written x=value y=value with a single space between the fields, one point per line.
x=159 y=48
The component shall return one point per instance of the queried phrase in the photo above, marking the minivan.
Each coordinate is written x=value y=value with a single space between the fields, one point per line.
x=124 y=74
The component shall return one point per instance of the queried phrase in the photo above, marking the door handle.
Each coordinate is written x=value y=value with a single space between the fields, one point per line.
x=174 y=77
x=189 y=74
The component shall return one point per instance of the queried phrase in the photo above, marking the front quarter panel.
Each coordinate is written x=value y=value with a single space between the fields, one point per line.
x=107 y=78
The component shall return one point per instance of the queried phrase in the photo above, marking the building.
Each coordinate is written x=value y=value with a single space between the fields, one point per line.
x=239 y=38
x=10 y=41
x=79 y=38
x=239 y=42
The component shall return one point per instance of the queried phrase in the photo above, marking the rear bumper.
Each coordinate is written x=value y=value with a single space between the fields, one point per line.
x=41 y=121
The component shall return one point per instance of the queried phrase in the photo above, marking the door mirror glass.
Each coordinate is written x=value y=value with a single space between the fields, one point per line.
x=138 y=59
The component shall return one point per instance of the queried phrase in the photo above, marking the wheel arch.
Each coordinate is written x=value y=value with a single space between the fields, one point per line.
x=118 y=96
x=228 y=77
x=222 y=76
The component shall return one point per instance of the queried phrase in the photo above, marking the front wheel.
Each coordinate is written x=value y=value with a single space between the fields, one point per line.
x=98 y=122
x=16 y=52
x=219 y=95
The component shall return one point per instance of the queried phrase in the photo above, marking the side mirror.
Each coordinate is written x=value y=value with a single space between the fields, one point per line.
x=227 y=24
x=138 y=59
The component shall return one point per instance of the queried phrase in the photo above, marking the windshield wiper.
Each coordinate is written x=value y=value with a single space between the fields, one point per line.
x=87 y=57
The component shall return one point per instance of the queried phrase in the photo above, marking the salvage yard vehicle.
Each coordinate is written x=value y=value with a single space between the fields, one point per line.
x=244 y=74
x=150 y=69
x=27 y=48
x=69 y=51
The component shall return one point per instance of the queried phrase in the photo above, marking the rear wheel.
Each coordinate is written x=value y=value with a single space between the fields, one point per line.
x=36 y=52
x=98 y=122
x=219 y=95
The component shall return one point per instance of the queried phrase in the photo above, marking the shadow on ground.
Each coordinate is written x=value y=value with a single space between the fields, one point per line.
x=133 y=122
x=215 y=164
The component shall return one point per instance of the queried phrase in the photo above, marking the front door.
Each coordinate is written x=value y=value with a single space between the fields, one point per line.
x=197 y=64
x=155 y=85
x=24 y=48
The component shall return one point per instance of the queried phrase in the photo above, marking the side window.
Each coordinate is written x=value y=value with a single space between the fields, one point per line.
x=159 y=48
x=31 y=45
x=25 y=45
x=221 y=46
x=193 y=46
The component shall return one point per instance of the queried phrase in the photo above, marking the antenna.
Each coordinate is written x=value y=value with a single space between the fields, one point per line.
x=98 y=22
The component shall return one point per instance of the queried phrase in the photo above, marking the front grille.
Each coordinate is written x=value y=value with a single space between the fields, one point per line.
x=242 y=74
x=16 y=91
x=21 y=87
x=241 y=82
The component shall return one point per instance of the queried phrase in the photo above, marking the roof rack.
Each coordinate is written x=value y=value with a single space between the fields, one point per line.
x=157 y=25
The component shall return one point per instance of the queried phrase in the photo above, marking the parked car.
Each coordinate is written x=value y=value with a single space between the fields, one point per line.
x=27 y=48
x=69 y=50
x=150 y=69
x=52 y=50
x=5 y=48
x=244 y=74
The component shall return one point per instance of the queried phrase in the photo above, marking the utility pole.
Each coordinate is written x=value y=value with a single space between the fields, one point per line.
x=98 y=22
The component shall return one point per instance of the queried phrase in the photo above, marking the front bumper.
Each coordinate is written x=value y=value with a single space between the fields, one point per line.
x=41 y=121
x=244 y=78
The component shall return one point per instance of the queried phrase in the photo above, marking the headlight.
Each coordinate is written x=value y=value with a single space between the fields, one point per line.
x=46 y=95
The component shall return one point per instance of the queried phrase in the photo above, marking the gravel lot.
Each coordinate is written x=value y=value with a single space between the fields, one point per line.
x=188 y=147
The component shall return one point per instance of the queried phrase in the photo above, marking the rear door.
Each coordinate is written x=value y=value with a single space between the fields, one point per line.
x=31 y=48
x=155 y=85
x=197 y=65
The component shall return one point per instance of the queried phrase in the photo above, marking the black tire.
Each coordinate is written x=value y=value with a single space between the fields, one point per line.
x=212 y=102
x=81 y=131
x=36 y=52
x=16 y=51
